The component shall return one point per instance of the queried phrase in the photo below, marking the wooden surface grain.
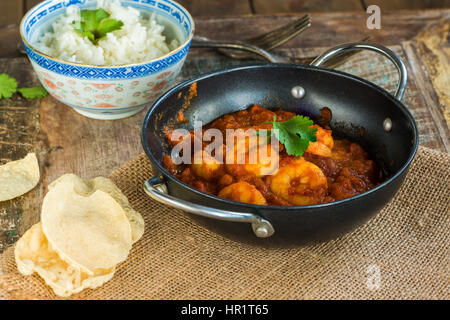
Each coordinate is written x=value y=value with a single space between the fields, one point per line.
x=216 y=8
x=327 y=29
x=9 y=46
x=15 y=9
x=408 y=4
x=289 y=6
x=434 y=49
x=19 y=134
x=11 y=11
x=68 y=142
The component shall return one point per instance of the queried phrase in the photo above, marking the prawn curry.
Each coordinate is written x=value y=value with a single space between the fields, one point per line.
x=328 y=169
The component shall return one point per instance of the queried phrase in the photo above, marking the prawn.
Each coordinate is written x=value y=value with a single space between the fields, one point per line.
x=323 y=145
x=243 y=192
x=300 y=182
x=248 y=155
x=209 y=167
x=266 y=164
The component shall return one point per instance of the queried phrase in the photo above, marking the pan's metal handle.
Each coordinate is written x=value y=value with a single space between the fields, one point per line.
x=157 y=190
x=203 y=42
x=372 y=47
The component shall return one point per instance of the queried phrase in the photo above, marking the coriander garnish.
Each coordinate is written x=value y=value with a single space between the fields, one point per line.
x=95 y=24
x=295 y=134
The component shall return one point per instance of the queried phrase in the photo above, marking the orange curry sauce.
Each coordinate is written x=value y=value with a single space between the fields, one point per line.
x=331 y=169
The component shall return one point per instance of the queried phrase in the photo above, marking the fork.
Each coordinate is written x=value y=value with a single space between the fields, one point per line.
x=274 y=38
x=265 y=41
x=334 y=62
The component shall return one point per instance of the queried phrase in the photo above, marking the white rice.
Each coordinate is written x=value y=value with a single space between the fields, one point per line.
x=138 y=40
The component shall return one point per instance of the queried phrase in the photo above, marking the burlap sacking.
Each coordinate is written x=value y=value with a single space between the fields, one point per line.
x=402 y=253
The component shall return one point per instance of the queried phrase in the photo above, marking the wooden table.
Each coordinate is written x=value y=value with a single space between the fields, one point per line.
x=218 y=8
x=68 y=142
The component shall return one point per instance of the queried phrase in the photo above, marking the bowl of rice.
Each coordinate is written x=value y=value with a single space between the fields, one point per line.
x=118 y=74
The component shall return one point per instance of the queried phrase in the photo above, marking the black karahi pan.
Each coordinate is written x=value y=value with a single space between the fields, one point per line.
x=390 y=135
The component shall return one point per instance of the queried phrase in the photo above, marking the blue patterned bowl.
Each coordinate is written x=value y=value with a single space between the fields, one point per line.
x=107 y=92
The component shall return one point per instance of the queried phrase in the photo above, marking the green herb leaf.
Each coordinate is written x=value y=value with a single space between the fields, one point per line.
x=92 y=18
x=80 y=27
x=95 y=24
x=295 y=134
x=35 y=92
x=8 y=86
x=108 y=25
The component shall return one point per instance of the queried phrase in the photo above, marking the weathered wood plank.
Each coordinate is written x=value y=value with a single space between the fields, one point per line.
x=429 y=93
x=199 y=7
x=433 y=46
x=10 y=40
x=432 y=132
x=86 y=147
x=408 y=4
x=12 y=11
x=220 y=8
x=31 y=3
x=19 y=134
x=216 y=8
x=300 y=6
x=327 y=29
